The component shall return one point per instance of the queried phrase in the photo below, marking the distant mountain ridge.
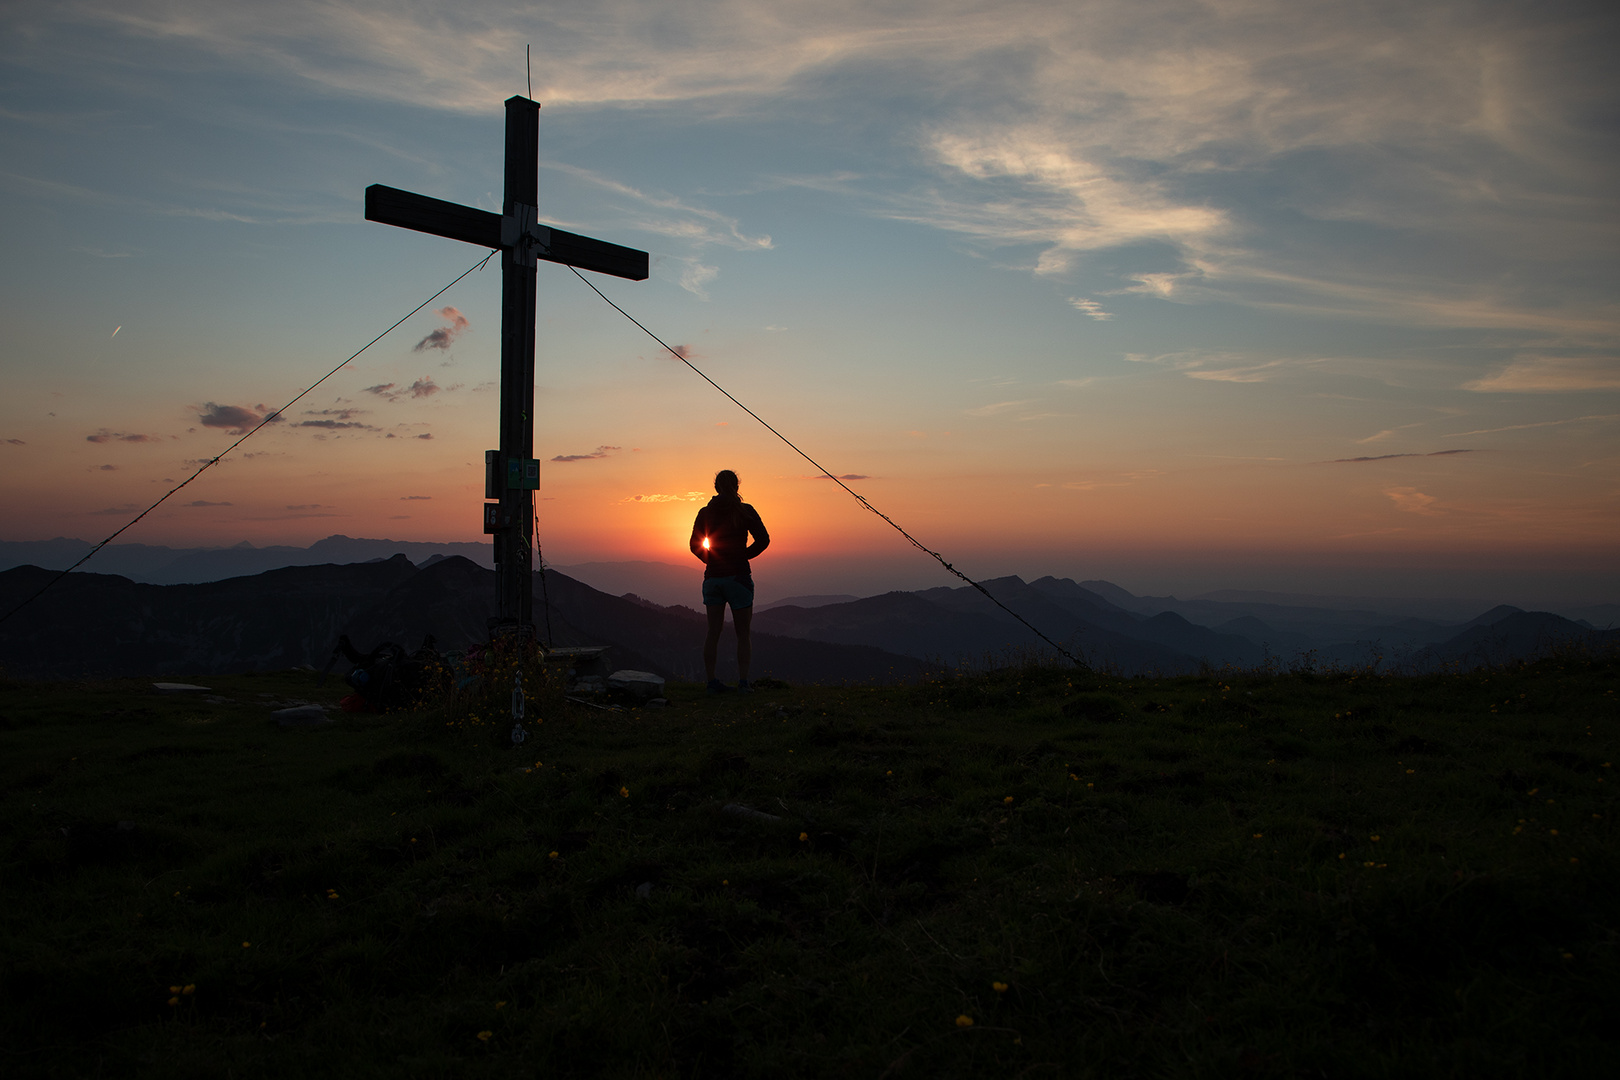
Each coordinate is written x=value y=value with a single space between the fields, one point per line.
x=100 y=624
x=158 y=565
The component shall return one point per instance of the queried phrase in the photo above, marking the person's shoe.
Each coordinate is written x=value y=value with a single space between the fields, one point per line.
x=743 y=687
x=718 y=687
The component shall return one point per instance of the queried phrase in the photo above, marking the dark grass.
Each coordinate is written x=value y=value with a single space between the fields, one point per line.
x=1299 y=874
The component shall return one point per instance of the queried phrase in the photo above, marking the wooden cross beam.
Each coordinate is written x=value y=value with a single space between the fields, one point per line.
x=511 y=474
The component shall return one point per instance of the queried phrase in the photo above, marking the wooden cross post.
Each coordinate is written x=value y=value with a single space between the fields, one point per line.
x=512 y=473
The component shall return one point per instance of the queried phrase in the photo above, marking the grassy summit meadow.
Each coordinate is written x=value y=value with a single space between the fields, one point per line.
x=1028 y=872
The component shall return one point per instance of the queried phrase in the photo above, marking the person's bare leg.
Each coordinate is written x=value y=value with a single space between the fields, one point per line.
x=711 y=643
x=743 y=618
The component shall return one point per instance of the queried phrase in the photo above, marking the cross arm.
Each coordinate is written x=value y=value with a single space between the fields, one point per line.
x=521 y=234
x=598 y=255
x=453 y=221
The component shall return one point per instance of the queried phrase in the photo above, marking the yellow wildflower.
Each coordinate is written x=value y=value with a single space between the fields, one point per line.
x=964 y=1021
x=999 y=987
x=485 y=1036
x=624 y=792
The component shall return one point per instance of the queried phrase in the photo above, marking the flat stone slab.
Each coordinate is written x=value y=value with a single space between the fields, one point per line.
x=642 y=685
x=177 y=687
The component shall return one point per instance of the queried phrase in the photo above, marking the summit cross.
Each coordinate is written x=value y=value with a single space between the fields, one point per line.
x=511 y=474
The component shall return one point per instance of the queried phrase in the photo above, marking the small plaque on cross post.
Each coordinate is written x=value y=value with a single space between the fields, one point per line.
x=512 y=474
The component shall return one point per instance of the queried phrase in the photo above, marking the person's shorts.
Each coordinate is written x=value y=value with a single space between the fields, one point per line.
x=738 y=592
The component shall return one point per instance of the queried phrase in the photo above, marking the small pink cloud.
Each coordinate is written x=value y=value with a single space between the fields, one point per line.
x=444 y=336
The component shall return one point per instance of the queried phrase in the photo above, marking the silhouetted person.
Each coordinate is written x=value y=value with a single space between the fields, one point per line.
x=720 y=539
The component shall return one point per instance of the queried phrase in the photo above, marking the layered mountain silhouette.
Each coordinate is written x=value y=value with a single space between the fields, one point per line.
x=105 y=625
x=108 y=625
x=155 y=564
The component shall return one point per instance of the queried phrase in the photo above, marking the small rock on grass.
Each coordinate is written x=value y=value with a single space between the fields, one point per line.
x=302 y=716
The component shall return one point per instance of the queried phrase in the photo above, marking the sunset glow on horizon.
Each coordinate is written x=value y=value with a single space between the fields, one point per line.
x=1179 y=294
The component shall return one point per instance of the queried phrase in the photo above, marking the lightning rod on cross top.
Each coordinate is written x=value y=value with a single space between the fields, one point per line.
x=512 y=473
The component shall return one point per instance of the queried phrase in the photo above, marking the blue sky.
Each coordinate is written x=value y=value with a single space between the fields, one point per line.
x=1187 y=295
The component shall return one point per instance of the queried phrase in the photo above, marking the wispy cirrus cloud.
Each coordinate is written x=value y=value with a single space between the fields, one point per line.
x=997 y=408
x=689 y=228
x=666 y=215
x=1063 y=129
x=1598 y=419
x=1533 y=374
x=1387 y=457
x=1229 y=367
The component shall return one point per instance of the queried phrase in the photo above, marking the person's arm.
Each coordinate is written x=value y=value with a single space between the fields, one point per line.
x=762 y=539
x=696 y=543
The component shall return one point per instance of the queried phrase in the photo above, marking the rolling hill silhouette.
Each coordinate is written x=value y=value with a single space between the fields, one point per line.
x=106 y=625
